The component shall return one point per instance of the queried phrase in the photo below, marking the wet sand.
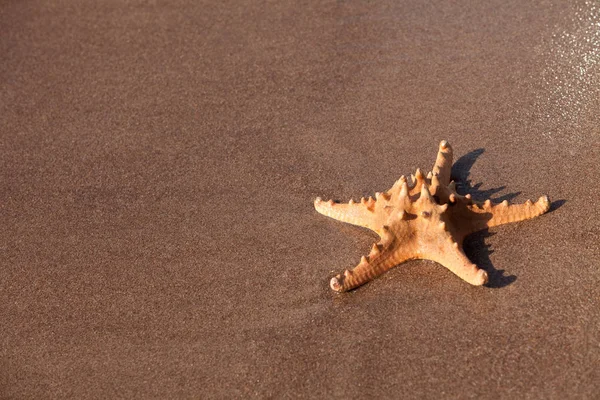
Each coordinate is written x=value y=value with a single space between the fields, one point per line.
x=159 y=162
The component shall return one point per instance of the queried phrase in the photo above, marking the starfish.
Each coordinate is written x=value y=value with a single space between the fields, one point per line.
x=426 y=219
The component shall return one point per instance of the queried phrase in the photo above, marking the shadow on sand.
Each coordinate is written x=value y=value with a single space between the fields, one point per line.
x=474 y=246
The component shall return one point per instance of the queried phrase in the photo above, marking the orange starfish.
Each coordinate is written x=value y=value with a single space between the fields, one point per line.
x=425 y=220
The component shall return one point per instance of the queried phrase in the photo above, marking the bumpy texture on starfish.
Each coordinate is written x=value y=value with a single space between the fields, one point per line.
x=427 y=219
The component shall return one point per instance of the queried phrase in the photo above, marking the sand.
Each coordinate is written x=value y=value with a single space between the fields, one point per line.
x=158 y=165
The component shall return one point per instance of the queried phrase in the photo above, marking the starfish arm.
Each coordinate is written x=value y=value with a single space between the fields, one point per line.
x=450 y=255
x=487 y=215
x=361 y=214
x=381 y=258
x=443 y=163
x=368 y=269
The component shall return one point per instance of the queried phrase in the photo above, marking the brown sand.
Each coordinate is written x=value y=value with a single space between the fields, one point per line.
x=158 y=166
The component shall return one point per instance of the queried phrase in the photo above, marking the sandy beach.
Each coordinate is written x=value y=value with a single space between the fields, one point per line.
x=159 y=163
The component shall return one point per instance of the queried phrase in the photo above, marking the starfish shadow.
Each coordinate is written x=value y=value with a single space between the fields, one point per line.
x=555 y=205
x=479 y=253
x=475 y=247
x=460 y=173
